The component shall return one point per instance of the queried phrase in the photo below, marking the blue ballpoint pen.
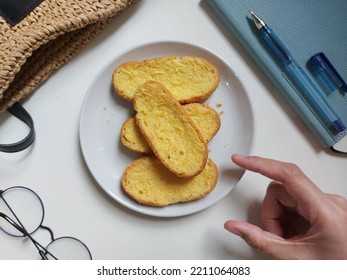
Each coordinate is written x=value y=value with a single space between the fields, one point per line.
x=311 y=93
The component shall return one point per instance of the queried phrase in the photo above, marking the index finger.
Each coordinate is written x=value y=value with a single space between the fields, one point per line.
x=298 y=185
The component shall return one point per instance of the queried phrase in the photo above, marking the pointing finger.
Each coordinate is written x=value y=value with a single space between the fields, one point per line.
x=297 y=184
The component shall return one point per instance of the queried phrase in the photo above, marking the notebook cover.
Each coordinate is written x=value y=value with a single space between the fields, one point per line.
x=306 y=27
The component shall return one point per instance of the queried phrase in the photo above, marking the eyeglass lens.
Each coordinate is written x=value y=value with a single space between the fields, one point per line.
x=26 y=207
x=68 y=248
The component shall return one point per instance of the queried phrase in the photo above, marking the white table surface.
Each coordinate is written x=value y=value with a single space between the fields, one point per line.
x=77 y=206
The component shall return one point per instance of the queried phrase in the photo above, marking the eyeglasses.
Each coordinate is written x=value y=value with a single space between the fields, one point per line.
x=22 y=213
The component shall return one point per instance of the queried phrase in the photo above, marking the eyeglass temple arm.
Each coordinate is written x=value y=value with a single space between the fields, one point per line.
x=42 y=250
x=13 y=223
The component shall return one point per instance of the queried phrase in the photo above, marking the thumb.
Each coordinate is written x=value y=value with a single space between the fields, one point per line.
x=262 y=240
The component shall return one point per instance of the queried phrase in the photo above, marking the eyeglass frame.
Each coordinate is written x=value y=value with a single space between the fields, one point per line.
x=43 y=251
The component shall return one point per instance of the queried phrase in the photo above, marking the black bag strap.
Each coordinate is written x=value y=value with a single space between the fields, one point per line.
x=19 y=112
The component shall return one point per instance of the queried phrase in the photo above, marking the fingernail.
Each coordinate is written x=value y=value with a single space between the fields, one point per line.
x=232 y=229
x=237 y=156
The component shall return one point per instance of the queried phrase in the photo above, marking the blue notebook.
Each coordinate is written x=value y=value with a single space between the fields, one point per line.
x=306 y=27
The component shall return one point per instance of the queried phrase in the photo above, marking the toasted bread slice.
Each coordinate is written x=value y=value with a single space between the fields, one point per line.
x=203 y=116
x=169 y=131
x=189 y=79
x=132 y=138
x=149 y=182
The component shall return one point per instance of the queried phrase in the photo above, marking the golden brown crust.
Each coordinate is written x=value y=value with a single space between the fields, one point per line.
x=188 y=78
x=149 y=182
x=169 y=131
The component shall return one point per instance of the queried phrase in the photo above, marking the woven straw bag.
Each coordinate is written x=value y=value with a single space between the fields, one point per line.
x=38 y=36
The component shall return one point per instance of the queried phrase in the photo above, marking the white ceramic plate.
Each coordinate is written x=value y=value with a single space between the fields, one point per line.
x=103 y=113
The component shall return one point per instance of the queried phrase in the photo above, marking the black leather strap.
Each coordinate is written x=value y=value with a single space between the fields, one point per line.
x=19 y=112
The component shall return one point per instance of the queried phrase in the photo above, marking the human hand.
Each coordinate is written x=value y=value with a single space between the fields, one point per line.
x=301 y=221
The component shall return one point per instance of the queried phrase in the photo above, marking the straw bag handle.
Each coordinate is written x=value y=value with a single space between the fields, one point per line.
x=19 y=112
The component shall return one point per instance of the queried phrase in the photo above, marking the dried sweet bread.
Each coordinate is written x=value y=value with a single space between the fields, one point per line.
x=203 y=116
x=188 y=78
x=169 y=131
x=149 y=182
